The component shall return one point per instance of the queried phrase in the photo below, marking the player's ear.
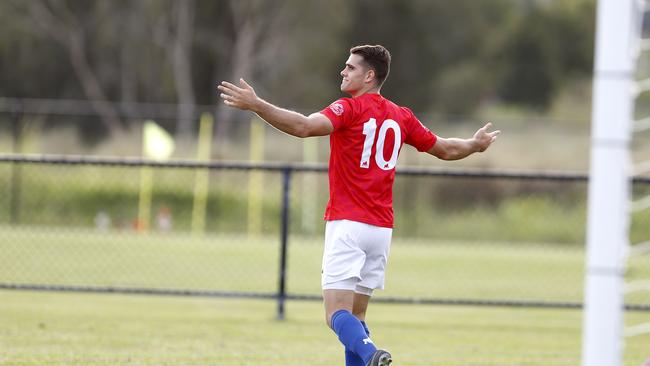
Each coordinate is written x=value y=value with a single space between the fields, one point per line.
x=370 y=75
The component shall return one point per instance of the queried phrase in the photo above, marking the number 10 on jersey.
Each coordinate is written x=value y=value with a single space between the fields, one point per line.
x=369 y=130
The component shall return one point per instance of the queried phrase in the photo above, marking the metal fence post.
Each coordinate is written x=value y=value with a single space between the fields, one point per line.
x=284 y=235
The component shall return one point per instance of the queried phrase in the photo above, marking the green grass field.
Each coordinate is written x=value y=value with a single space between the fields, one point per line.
x=228 y=262
x=46 y=328
x=43 y=328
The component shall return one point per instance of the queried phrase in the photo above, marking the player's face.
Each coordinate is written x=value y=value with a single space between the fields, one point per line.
x=355 y=75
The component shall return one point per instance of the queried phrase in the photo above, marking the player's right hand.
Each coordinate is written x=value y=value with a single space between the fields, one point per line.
x=242 y=97
x=483 y=138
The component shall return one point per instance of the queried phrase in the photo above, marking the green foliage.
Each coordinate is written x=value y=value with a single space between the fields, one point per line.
x=435 y=45
x=448 y=57
x=530 y=219
x=74 y=197
x=547 y=46
x=491 y=209
x=461 y=89
x=452 y=209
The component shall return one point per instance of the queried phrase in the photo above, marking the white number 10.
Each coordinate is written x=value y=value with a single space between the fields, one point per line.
x=369 y=129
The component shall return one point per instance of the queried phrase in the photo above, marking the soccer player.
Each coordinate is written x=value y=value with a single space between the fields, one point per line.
x=366 y=134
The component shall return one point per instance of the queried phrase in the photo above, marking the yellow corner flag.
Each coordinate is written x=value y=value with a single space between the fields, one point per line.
x=158 y=143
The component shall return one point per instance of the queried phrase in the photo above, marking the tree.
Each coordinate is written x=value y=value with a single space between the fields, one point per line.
x=447 y=56
x=552 y=43
x=174 y=33
x=437 y=45
x=267 y=43
x=56 y=20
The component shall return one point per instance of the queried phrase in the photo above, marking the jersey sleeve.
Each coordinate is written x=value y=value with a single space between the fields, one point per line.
x=340 y=113
x=418 y=136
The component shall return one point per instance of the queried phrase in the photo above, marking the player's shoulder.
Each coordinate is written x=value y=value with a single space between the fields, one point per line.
x=405 y=110
x=341 y=106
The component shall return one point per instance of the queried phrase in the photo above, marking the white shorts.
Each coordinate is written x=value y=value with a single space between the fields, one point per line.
x=355 y=256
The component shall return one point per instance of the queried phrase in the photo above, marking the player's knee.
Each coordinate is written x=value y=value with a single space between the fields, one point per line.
x=329 y=314
x=328 y=318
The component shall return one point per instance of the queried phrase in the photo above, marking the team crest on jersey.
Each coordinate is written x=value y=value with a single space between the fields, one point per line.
x=337 y=108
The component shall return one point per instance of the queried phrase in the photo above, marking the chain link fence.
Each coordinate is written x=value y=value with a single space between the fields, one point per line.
x=256 y=230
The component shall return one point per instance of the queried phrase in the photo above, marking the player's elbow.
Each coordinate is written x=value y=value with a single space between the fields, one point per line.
x=302 y=131
x=298 y=127
x=314 y=125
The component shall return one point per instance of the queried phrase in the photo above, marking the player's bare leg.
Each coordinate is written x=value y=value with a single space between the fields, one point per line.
x=360 y=306
x=343 y=309
x=335 y=300
x=359 y=309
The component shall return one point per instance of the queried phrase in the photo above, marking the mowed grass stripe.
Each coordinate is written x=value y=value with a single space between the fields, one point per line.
x=229 y=262
x=45 y=328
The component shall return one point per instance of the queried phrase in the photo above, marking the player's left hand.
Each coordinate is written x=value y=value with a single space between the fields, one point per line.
x=483 y=138
x=242 y=97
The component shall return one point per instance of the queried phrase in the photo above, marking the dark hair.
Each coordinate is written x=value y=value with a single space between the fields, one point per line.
x=377 y=58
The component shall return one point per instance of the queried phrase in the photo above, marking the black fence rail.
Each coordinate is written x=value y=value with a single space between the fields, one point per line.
x=462 y=237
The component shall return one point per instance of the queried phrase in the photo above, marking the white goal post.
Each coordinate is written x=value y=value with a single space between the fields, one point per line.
x=617 y=36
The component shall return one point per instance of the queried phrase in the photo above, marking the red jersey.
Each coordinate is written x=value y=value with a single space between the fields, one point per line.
x=369 y=131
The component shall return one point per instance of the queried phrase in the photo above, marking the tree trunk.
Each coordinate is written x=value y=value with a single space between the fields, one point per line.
x=181 y=57
x=242 y=60
x=65 y=29
x=91 y=85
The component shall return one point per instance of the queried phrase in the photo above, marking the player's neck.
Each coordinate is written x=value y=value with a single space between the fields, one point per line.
x=369 y=90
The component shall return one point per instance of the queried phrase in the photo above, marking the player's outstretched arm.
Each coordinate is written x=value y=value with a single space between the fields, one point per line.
x=293 y=123
x=455 y=148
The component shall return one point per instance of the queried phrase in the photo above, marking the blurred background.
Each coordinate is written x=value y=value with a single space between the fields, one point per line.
x=81 y=78
x=526 y=65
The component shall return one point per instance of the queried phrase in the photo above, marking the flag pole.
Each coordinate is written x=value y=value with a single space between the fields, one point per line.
x=202 y=179
x=256 y=178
